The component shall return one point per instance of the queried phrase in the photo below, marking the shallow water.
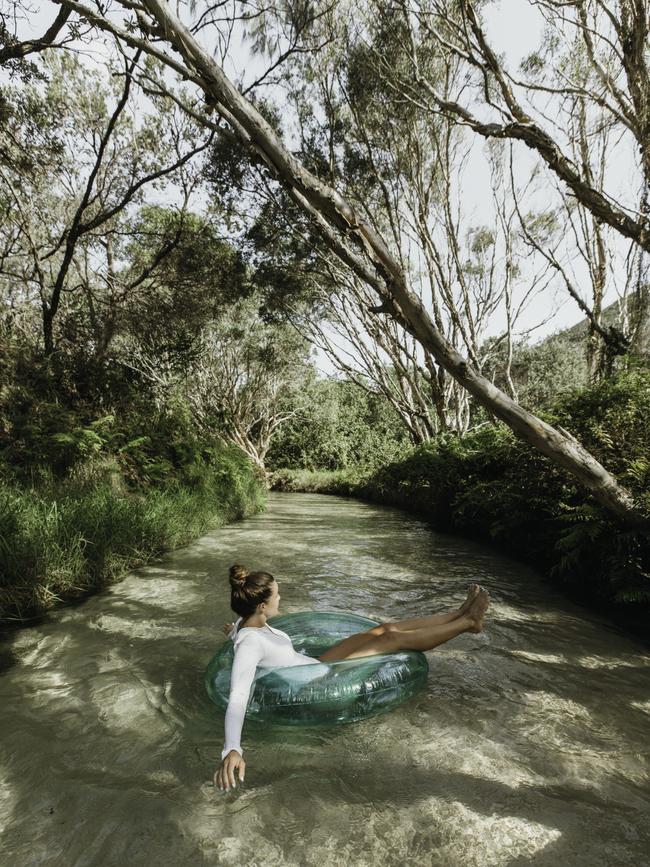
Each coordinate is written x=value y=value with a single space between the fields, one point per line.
x=529 y=745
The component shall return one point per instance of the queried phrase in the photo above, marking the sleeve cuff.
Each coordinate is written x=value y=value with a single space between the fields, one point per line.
x=233 y=631
x=225 y=752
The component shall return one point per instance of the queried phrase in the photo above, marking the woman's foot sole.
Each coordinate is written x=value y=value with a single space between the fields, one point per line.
x=478 y=609
x=472 y=592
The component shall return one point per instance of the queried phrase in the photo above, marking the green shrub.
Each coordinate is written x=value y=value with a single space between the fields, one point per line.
x=338 y=425
x=341 y=482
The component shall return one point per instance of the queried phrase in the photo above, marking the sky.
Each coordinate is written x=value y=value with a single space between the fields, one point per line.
x=514 y=29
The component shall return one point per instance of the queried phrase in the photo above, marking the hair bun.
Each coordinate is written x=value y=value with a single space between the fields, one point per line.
x=238 y=574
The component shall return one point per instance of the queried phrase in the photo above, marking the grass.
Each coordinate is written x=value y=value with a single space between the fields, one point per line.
x=342 y=482
x=59 y=545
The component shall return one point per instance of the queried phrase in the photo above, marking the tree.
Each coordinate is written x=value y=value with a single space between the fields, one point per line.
x=338 y=425
x=73 y=166
x=589 y=79
x=246 y=377
x=356 y=242
x=406 y=175
x=614 y=37
x=13 y=50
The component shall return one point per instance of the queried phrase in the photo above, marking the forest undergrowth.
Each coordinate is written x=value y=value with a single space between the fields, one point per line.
x=86 y=495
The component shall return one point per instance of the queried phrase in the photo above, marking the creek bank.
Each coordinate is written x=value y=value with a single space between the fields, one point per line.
x=490 y=487
x=61 y=542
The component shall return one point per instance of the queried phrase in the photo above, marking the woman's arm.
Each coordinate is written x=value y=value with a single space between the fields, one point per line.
x=248 y=653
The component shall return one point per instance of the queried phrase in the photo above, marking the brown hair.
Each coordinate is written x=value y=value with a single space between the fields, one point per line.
x=248 y=589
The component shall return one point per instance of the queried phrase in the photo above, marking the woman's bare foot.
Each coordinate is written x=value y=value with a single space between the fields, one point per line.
x=472 y=592
x=477 y=610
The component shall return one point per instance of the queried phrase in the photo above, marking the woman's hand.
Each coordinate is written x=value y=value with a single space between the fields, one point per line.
x=224 y=776
x=228 y=628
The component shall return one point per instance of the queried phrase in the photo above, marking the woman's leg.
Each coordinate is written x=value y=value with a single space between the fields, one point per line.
x=353 y=642
x=433 y=619
x=386 y=639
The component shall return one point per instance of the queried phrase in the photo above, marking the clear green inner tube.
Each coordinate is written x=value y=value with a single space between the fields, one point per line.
x=326 y=693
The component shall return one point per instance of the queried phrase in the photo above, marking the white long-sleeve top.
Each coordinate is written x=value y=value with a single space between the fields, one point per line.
x=262 y=646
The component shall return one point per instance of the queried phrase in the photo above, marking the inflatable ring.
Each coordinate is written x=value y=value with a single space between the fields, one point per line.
x=325 y=693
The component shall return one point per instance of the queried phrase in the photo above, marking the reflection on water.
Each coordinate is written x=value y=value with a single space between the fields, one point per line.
x=529 y=745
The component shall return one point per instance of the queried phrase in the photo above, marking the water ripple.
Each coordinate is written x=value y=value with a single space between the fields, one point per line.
x=528 y=746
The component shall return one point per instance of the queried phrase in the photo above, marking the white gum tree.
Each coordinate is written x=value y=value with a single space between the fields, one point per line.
x=406 y=172
x=246 y=379
x=581 y=105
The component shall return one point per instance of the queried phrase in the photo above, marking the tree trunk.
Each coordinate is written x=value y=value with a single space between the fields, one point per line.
x=640 y=323
x=259 y=137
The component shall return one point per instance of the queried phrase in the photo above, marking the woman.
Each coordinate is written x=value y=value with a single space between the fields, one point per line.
x=255 y=596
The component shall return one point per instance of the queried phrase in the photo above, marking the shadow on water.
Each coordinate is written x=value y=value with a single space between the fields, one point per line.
x=67 y=703
x=7 y=657
x=528 y=745
x=491 y=798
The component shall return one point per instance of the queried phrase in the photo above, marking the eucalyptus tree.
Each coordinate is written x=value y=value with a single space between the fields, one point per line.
x=360 y=96
x=304 y=284
x=156 y=29
x=587 y=85
x=247 y=379
x=614 y=35
x=592 y=260
x=406 y=174
x=74 y=164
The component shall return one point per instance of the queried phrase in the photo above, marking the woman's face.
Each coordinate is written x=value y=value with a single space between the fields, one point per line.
x=273 y=602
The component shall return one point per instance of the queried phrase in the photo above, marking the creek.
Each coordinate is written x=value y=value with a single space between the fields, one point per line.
x=528 y=746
